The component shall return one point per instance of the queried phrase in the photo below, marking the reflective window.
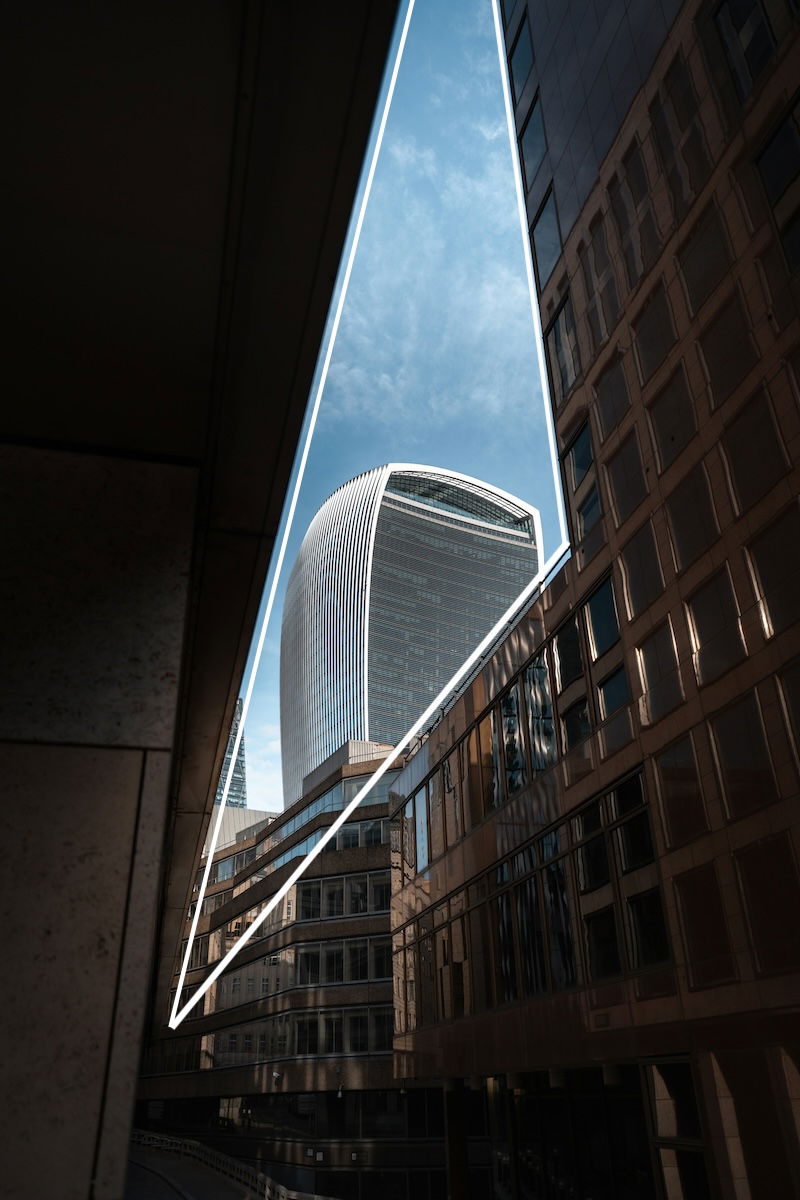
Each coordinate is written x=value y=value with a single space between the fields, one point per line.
x=628 y=194
x=562 y=352
x=602 y=309
x=603 y=622
x=653 y=332
x=557 y=907
x=641 y=570
x=771 y=889
x=513 y=745
x=776 y=570
x=546 y=240
x=540 y=715
x=521 y=59
x=692 y=520
x=681 y=793
x=576 y=724
x=658 y=667
x=742 y=756
x=747 y=40
x=611 y=394
x=601 y=943
x=614 y=692
x=728 y=350
x=421 y=828
x=753 y=452
x=650 y=943
x=532 y=144
x=436 y=815
x=531 y=937
x=679 y=137
x=626 y=478
x=715 y=628
x=672 y=419
x=589 y=512
x=704 y=258
x=579 y=456
x=567 y=648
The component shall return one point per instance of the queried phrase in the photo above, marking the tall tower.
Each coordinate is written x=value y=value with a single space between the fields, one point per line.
x=402 y=571
x=237 y=793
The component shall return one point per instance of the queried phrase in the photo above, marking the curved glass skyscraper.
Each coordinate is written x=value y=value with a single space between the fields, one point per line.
x=402 y=571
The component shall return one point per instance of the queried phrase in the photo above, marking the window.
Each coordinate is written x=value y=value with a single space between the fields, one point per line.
x=753 y=452
x=379 y=891
x=672 y=419
x=692 y=521
x=658 y=668
x=348 y=837
x=650 y=943
x=308 y=959
x=601 y=942
x=514 y=750
x=357 y=1032
x=681 y=794
x=626 y=478
x=307 y=1029
x=742 y=756
x=603 y=621
x=540 y=715
x=779 y=167
x=641 y=571
x=611 y=393
x=679 y=137
x=771 y=890
x=357 y=960
x=381 y=951
x=747 y=40
x=704 y=258
x=333 y=897
x=579 y=456
x=356 y=894
x=569 y=660
x=546 y=239
x=728 y=350
x=614 y=692
x=589 y=512
x=576 y=724
x=715 y=628
x=562 y=352
x=333 y=958
x=774 y=565
x=601 y=287
x=653 y=332
x=521 y=60
x=705 y=928
x=628 y=194
x=634 y=843
x=532 y=144
x=309 y=900
x=421 y=828
x=332 y=1031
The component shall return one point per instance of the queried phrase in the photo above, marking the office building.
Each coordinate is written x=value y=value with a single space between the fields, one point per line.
x=237 y=791
x=596 y=870
x=402 y=572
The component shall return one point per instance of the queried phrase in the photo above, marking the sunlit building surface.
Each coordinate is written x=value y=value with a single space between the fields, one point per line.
x=237 y=791
x=401 y=574
x=595 y=863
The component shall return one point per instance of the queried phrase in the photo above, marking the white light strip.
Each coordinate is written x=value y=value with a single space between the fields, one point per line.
x=333 y=829
x=175 y=1018
x=528 y=257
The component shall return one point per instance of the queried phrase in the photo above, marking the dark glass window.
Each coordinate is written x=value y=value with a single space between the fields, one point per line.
x=589 y=512
x=653 y=332
x=658 y=666
x=743 y=758
x=672 y=419
x=603 y=620
x=521 y=59
x=648 y=929
x=567 y=644
x=356 y=894
x=771 y=890
x=531 y=937
x=614 y=692
x=681 y=794
x=728 y=349
x=532 y=144
x=540 y=715
x=562 y=352
x=630 y=203
x=747 y=40
x=776 y=565
x=679 y=136
x=704 y=258
x=513 y=745
x=580 y=456
x=357 y=960
x=705 y=927
x=490 y=762
x=602 y=309
x=626 y=478
x=753 y=452
x=601 y=942
x=676 y=1114
x=692 y=521
x=576 y=723
x=593 y=870
x=611 y=393
x=779 y=163
x=421 y=828
x=715 y=625
x=557 y=906
x=546 y=240
x=634 y=843
x=309 y=900
x=641 y=569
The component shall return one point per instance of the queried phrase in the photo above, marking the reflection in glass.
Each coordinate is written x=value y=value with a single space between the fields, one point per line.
x=540 y=715
x=546 y=240
x=603 y=620
x=562 y=954
x=532 y=144
x=521 y=60
x=531 y=937
x=569 y=660
x=516 y=773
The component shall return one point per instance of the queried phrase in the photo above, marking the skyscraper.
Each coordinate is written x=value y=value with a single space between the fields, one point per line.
x=402 y=571
x=237 y=793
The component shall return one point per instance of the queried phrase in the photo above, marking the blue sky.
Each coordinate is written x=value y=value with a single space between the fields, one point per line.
x=435 y=360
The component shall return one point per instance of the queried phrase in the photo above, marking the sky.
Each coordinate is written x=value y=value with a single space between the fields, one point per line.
x=435 y=360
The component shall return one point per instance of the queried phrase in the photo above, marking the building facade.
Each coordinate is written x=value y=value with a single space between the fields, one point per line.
x=595 y=868
x=237 y=792
x=287 y=1062
x=402 y=572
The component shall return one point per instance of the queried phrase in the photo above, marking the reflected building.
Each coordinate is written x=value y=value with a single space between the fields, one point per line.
x=237 y=792
x=595 y=867
x=401 y=574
